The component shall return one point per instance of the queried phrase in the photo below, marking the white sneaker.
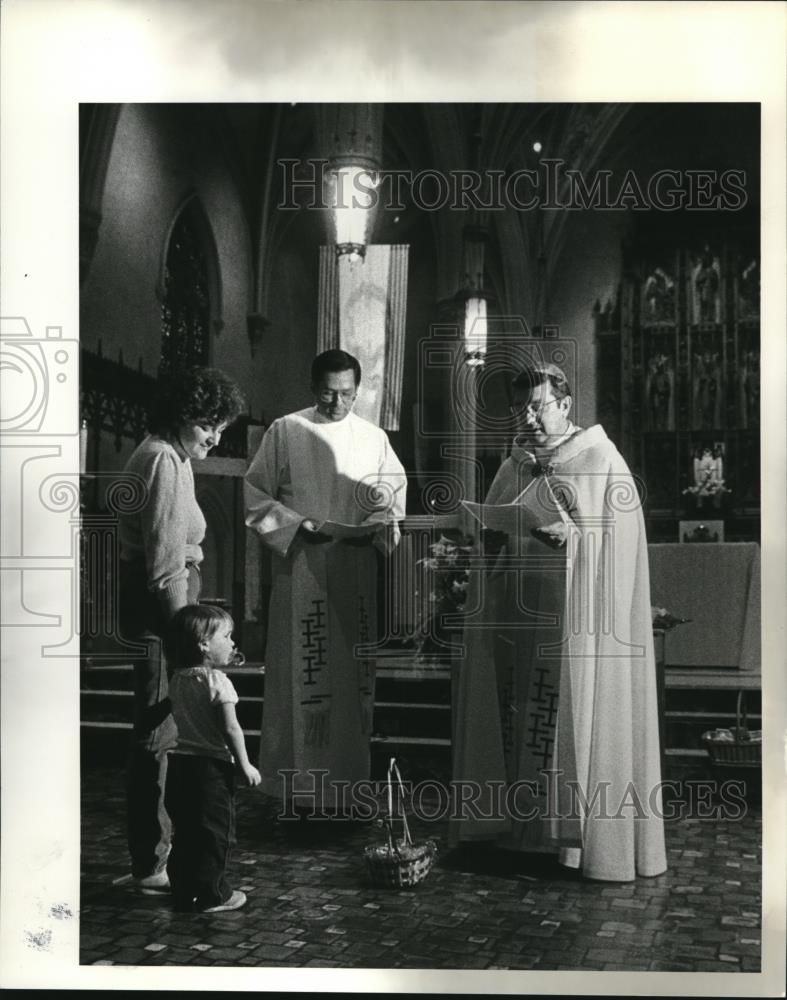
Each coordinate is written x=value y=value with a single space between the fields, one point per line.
x=236 y=900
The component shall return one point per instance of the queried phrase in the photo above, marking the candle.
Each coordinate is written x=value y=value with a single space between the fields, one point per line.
x=83 y=448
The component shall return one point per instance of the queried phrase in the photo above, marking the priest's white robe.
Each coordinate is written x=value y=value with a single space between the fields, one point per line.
x=557 y=720
x=319 y=681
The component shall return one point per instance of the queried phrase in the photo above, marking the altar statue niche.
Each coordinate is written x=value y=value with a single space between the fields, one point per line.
x=705 y=289
x=659 y=298
x=680 y=366
x=707 y=475
x=660 y=393
x=749 y=389
x=748 y=290
x=706 y=391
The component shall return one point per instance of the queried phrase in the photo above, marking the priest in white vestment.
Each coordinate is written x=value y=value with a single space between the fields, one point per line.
x=557 y=724
x=322 y=464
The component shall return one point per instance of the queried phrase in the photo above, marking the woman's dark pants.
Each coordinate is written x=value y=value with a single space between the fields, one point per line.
x=149 y=829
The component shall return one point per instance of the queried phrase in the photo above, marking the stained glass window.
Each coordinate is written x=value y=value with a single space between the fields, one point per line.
x=185 y=310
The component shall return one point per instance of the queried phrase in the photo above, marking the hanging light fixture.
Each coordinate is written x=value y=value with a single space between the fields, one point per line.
x=352 y=197
x=475 y=331
x=351 y=142
x=473 y=293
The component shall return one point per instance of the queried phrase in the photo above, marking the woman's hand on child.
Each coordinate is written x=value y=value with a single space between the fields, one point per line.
x=252 y=775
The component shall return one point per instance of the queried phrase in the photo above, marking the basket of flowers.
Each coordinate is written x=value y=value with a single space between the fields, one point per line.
x=400 y=863
x=738 y=747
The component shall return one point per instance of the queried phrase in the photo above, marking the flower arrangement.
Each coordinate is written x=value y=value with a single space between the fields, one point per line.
x=443 y=578
x=707 y=489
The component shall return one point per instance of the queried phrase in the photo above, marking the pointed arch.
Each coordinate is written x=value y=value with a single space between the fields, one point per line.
x=97 y=127
x=189 y=289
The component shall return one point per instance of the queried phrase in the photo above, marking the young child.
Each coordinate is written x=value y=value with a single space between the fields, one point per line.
x=201 y=780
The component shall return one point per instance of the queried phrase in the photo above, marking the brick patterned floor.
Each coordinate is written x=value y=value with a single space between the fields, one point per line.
x=309 y=903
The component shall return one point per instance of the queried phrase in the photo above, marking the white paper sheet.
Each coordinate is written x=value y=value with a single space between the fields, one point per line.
x=535 y=508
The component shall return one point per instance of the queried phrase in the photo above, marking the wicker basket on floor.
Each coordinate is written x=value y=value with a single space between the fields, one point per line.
x=400 y=863
x=739 y=747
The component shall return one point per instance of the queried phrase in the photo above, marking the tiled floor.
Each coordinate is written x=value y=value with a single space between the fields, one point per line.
x=309 y=903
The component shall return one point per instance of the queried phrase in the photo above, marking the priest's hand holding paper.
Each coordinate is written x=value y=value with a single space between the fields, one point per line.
x=534 y=512
x=554 y=535
x=310 y=533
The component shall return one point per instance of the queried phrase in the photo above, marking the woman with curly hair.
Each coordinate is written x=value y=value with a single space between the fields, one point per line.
x=160 y=553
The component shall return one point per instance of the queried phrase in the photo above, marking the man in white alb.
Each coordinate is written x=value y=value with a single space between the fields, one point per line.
x=322 y=464
x=557 y=693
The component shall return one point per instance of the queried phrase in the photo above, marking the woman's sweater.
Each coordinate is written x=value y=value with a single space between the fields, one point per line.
x=167 y=531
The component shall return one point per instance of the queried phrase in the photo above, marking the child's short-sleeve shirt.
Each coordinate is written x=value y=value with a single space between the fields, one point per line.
x=197 y=694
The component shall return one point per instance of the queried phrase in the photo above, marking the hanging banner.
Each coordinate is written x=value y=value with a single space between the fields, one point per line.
x=362 y=310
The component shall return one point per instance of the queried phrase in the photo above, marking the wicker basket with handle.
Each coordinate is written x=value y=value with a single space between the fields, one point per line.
x=739 y=747
x=400 y=863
